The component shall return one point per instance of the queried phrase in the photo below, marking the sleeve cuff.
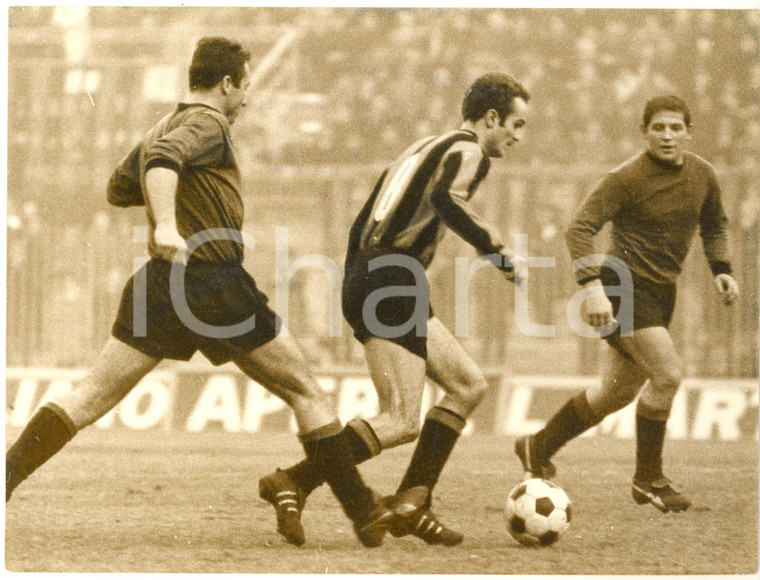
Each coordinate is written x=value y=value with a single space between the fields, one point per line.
x=587 y=279
x=720 y=267
x=506 y=268
x=162 y=162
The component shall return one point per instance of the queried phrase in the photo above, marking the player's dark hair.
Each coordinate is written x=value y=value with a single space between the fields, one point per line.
x=665 y=103
x=492 y=91
x=215 y=58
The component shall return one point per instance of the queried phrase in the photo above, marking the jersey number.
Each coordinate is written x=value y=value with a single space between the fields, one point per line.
x=396 y=187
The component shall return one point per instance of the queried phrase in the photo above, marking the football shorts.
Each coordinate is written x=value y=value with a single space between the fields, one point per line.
x=653 y=305
x=395 y=313
x=223 y=314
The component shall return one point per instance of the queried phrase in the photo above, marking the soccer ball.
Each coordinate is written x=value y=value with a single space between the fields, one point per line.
x=537 y=512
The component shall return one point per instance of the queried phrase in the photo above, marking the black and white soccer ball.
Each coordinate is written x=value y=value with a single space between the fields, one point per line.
x=537 y=512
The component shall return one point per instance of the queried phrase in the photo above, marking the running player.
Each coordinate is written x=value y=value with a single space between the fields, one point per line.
x=385 y=300
x=187 y=171
x=656 y=201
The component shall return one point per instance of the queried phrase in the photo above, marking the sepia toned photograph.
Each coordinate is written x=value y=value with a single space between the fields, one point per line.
x=382 y=290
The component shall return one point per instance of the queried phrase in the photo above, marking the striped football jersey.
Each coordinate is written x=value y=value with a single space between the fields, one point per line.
x=428 y=187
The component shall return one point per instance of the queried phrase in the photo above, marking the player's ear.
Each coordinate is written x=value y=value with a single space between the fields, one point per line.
x=227 y=85
x=491 y=118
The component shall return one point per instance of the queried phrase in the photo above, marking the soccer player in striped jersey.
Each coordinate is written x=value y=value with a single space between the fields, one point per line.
x=656 y=201
x=426 y=191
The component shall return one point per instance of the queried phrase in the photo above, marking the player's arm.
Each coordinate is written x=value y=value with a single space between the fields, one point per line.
x=161 y=186
x=124 y=189
x=462 y=171
x=713 y=229
x=598 y=208
x=194 y=142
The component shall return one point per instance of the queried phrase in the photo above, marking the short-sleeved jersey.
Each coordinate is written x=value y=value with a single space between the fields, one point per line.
x=655 y=209
x=194 y=140
x=426 y=188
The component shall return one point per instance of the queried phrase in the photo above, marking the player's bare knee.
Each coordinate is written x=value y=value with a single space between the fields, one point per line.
x=473 y=390
x=406 y=429
x=668 y=380
x=304 y=395
x=407 y=434
x=617 y=400
x=297 y=382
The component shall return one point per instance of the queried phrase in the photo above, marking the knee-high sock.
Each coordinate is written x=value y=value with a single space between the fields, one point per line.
x=328 y=452
x=575 y=417
x=362 y=443
x=650 y=439
x=439 y=434
x=45 y=435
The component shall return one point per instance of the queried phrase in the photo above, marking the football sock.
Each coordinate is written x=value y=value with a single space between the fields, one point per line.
x=362 y=443
x=439 y=434
x=575 y=417
x=650 y=438
x=45 y=435
x=329 y=454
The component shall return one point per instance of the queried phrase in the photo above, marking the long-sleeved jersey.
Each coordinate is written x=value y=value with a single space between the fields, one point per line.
x=655 y=209
x=425 y=189
x=194 y=141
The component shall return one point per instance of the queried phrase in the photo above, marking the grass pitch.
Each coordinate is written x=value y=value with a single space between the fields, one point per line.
x=119 y=501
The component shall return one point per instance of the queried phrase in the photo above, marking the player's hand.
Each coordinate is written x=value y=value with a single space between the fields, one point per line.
x=169 y=245
x=727 y=288
x=597 y=309
x=515 y=269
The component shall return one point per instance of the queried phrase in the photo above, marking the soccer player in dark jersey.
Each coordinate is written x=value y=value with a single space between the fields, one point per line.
x=186 y=172
x=656 y=201
x=426 y=191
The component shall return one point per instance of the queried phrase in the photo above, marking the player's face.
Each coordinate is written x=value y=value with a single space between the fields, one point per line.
x=667 y=135
x=237 y=97
x=510 y=131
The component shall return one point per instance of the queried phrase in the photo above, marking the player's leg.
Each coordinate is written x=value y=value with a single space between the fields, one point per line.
x=398 y=376
x=451 y=367
x=279 y=366
x=655 y=352
x=464 y=384
x=396 y=365
x=226 y=296
x=115 y=372
x=621 y=380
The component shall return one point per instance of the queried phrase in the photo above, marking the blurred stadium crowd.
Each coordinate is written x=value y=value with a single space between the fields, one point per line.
x=393 y=77
x=338 y=93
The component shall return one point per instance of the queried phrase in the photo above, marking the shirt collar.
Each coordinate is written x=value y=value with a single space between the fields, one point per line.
x=665 y=164
x=183 y=106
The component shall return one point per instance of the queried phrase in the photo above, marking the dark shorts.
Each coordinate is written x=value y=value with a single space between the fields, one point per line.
x=653 y=305
x=218 y=297
x=393 y=311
